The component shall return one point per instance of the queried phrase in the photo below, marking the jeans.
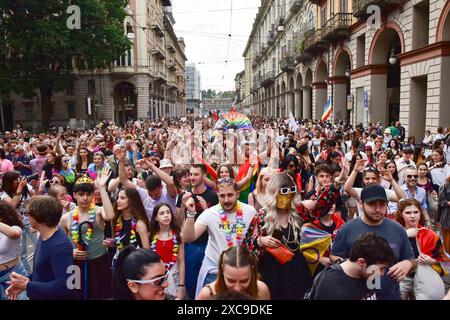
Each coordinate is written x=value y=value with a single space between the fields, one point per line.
x=33 y=236
x=194 y=254
x=5 y=278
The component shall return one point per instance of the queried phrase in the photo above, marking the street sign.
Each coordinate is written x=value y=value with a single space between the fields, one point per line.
x=366 y=99
x=349 y=102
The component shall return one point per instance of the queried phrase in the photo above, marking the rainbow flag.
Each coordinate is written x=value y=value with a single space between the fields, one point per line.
x=210 y=172
x=327 y=110
x=313 y=244
x=251 y=184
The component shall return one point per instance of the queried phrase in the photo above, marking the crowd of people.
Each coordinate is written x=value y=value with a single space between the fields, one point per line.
x=174 y=209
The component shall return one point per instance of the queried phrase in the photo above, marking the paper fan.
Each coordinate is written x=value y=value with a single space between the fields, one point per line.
x=233 y=120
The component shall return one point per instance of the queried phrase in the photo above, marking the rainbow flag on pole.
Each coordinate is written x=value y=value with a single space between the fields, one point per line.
x=327 y=110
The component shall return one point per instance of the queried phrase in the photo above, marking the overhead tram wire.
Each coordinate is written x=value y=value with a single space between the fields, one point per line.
x=229 y=41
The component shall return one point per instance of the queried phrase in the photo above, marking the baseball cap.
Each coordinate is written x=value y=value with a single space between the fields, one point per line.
x=372 y=193
x=387 y=131
x=165 y=163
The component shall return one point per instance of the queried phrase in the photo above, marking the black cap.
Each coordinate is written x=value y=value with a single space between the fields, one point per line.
x=372 y=193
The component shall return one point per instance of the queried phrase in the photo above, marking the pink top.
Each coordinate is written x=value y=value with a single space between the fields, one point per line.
x=6 y=165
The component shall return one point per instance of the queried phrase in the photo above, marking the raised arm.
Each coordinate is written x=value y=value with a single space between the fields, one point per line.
x=170 y=185
x=191 y=230
x=107 y=213
x=348 y=187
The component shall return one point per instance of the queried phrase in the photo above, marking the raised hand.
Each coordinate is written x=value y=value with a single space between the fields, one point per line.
x=359 y=166
x=103 y=176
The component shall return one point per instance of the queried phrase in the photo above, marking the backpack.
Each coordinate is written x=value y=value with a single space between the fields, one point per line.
x=309 y=295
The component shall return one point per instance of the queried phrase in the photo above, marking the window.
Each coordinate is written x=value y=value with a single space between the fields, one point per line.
x=323 y=15
x=52 y=110
x=71 y=110
x=331 y=8
x=28 y=108
x=70 y=90
x=343 y=6
x=91 y=87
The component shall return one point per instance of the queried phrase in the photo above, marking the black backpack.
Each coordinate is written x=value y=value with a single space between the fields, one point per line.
x=309 y=295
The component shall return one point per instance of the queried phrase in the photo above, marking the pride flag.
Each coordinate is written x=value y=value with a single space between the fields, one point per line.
x=327 y=110
x=210 y=172
x=313 y=244
x=251 y=184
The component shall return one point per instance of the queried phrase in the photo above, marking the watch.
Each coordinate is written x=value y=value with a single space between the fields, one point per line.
x=190 y=214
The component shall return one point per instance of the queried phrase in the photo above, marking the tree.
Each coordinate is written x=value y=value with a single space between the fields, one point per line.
x=40 y=51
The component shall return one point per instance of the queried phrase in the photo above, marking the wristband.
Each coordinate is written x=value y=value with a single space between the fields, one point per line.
x=190 y=214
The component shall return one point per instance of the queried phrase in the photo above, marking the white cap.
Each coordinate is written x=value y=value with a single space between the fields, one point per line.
x=165 y=163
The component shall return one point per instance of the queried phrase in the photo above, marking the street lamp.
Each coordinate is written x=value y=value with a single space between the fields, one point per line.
x=392 y=59
x=347 y=72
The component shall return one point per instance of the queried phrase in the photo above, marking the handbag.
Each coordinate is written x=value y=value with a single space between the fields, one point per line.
x=281 y=253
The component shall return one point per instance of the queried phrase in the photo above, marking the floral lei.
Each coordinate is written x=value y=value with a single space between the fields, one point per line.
x=226 y=225
x=118 y=229
x=68 y=174
x=92 y=171
x=74 y=229
x=174 y=251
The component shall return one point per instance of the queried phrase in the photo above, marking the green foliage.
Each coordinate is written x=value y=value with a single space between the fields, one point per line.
x=300 y=48
x=39 y=51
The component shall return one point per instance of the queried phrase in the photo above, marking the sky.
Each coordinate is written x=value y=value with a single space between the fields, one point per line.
x=205 y=26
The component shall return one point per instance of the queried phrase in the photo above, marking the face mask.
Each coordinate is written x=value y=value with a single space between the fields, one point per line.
x=284 y=201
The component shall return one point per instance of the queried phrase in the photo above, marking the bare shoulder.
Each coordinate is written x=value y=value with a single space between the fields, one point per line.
x=263 y=289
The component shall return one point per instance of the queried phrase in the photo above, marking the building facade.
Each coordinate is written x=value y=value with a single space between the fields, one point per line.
x=218 y=104
x=374 y=68
x=193 y=90
x=147 y=81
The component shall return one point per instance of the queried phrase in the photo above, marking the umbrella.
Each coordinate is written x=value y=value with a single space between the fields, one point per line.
x=83 y=246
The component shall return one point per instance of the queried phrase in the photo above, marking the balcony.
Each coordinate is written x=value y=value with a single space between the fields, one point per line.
x=360 y=6
x=171 y=66
x=272 y=36
x=267 y=79
x=337 y=27
x=255 y=84
x=159 y=76
x=156 y=27
x=314 y=42
x=295 y=5
x=170 y=48
x=287 y=63
x=172 y=84
x=158 y=52
x=264 y=49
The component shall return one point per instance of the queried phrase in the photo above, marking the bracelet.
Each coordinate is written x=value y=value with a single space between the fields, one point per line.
x=258 y=241
x=191 y=214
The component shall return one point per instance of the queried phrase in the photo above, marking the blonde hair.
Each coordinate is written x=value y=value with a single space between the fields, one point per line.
x=278 y=181
x=263 y=172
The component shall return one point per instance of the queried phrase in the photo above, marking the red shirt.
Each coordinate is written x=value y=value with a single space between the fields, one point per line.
x=164 y=248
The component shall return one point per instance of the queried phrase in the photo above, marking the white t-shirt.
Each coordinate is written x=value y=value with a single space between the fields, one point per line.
x=440 y=175
x=10 y=249
x=150 y=203
x=389 y=194
x=217 y=242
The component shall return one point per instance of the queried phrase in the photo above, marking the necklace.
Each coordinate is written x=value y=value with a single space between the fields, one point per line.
x=288 y=242
x=226 y=225
x=171 y=263
x=75 y=222
x=118 y=229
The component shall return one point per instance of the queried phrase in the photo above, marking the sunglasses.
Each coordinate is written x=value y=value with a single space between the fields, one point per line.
x=225 y=180
x=54 y=182
x=410 y=176
x=158 y=282
x=290 y=190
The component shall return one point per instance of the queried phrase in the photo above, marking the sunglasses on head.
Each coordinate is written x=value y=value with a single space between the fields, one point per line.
x=158 y=282
x=225 y=180
x=289 y=190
